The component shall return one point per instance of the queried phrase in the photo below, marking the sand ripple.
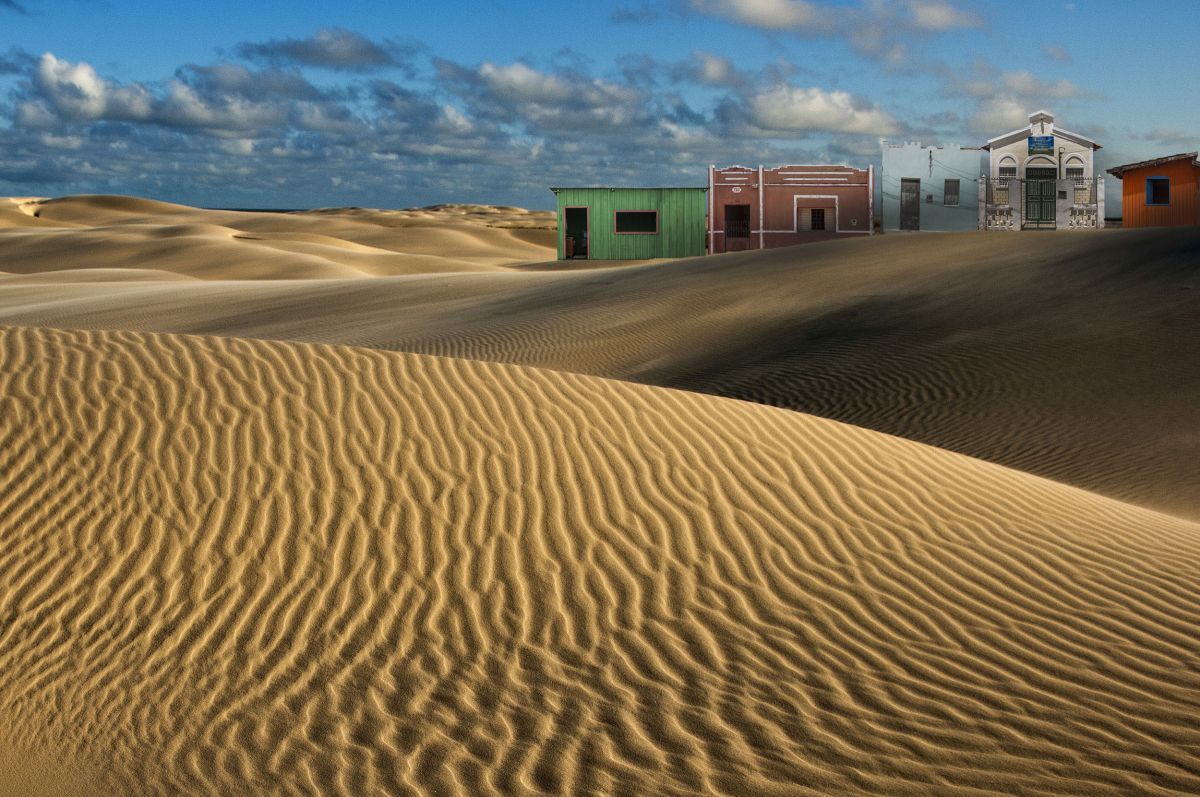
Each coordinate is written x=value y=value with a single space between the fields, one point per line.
x=244 y=567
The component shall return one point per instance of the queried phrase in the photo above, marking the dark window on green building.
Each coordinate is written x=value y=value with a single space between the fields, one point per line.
x=635 y=222
x=950 y=193
x=1158 y=190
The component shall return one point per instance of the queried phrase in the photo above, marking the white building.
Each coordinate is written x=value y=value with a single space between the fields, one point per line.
x=1041 y=146
x=1042 y=176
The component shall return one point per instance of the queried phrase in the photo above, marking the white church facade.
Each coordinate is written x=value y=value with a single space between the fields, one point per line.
x=1041 y=177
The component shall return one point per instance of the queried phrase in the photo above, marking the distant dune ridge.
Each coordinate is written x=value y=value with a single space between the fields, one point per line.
x=129 y=233
x=242 y=563
x=245 y=567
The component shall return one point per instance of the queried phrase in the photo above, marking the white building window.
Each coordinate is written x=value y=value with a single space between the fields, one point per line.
x=1083 y=189
x=1008 y=166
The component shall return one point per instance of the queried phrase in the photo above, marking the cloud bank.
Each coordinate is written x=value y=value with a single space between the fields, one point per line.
x=338 y=117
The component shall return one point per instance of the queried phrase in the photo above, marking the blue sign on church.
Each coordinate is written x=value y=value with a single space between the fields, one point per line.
x=1041 y=145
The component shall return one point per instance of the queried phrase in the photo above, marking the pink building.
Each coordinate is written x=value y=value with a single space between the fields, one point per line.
x=759 y=208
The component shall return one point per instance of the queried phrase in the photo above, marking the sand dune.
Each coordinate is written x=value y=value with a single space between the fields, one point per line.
x=248 y=567
x=126 y=232
x=1068 y=356
x=18 y=211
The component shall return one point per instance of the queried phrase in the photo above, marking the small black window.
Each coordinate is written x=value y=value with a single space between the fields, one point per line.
x=950 y=193
x=1075 y=172
x=1158 y=191
x=637 y=221
x=1008 y=171
x=818 y=218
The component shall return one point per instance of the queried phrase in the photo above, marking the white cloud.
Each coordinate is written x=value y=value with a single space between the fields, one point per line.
x=184 y=107
x=237 y=146
x=769 y=14
x=714 y=69
x=455 y=120
x=61 y=142
x=998 y=115
x=1175 y=138
x=1056 y=52
x=524 y=84
x=330 y=48
x=77 y=92
x=518 y=92
x=790 y=109
x=938 y=15
x=1028 y=85
x=221 y=100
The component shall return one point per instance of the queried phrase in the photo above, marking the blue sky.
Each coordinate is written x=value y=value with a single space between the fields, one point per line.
x=273 y=104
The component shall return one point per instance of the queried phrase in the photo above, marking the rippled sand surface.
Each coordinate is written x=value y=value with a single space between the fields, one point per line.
x=241 y=563
x=244 y=567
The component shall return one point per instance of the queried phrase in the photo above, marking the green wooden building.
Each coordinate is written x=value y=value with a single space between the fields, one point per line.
x=631 y=223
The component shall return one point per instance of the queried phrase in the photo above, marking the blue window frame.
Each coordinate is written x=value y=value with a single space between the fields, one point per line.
x=1158 y=190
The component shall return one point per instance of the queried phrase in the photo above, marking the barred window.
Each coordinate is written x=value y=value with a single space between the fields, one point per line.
x=950 y=193
x=1075 y=172
x=1008 y=171
x=818 y=218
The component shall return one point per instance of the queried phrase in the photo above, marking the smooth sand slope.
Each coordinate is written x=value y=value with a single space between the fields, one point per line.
x=248 y=567
x=106 y=232
x=1068 y=355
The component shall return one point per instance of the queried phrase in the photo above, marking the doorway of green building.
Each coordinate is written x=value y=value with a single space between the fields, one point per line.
x=576 y=233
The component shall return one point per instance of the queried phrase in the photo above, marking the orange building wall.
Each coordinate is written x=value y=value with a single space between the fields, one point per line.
x=1185 y=205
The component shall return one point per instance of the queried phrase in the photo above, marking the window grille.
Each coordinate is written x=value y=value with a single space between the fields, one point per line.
x=950 y=193
x=1008 y=171
x=1083 y=192
x=818 y=218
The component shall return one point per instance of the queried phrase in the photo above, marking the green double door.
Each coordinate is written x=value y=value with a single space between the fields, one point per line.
x=1040 y=201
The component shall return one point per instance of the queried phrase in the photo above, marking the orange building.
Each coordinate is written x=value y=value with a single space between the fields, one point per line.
x=1160 y=192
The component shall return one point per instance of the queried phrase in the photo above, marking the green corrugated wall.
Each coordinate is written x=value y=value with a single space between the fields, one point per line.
x=682 y=225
